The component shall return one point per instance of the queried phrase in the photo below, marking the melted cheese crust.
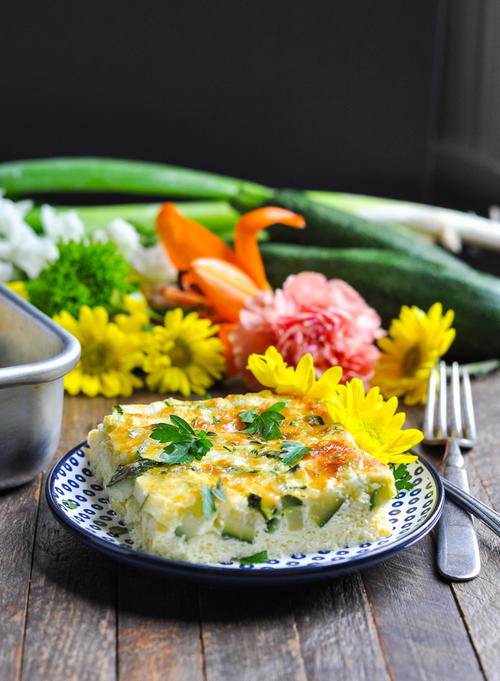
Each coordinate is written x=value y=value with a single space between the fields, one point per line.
x=164 y=508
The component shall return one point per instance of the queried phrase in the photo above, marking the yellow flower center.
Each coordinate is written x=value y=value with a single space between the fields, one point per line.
x=411 y=360
x=180 y=354
x=96 y=359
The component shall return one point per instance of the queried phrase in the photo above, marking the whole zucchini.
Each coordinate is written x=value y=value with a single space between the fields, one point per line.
x=331 y=227
x=387 y=280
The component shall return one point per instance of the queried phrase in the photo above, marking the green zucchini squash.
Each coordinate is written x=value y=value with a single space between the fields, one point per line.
x=387 y=280
x=331 y=227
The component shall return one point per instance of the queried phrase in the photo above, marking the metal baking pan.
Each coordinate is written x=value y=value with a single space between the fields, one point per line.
x=35 y=354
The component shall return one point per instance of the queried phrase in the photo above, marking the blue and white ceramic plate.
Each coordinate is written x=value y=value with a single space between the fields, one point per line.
x=81 y=505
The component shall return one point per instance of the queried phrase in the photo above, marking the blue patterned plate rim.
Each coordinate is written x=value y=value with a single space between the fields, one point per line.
x=210 y=572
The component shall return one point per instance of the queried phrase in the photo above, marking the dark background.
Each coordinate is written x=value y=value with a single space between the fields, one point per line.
x=328 y=94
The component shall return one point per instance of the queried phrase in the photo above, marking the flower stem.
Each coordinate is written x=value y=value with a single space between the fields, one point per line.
x=217 y=216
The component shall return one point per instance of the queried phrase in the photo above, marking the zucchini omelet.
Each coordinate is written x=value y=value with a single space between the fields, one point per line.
x=218 y=479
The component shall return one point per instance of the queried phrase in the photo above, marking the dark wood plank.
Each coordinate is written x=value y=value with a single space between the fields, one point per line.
x=337 y=632
x=71 y=628
x=420 y=627
x=158 y=629
x=250 y=634
x=479 y=599
x=18 y=509
x=485 y=455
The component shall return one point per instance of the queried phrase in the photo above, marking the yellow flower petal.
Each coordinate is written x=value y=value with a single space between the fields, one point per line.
x=271 y=370
x=414 y=344
x=372 y=422
x=184 y=355
x=108 y=357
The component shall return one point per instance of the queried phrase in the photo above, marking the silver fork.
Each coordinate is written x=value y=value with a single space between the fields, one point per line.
x=458 y=551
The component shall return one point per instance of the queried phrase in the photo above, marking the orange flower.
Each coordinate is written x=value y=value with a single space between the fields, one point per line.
x=212 y=274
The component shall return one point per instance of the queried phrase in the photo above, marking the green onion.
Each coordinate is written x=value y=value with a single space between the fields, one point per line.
x=21 y=178
x=218 y=216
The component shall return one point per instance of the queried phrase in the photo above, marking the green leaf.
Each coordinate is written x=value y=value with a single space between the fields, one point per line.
x=118 y=409
x=207 y=501
x=186 y=444
x=132 y=470
x=292 y=451
x=209 y=495
x=219 y=492
x=177 y=453
x=249 y=415
x=181 y=424
x=266 y=424
x=69 y=504
x=401 y=476
x=260 y=557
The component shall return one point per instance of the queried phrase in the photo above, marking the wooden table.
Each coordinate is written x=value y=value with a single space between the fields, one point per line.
x=69 y=614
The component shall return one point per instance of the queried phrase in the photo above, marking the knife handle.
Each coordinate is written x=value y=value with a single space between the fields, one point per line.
x=457 y=549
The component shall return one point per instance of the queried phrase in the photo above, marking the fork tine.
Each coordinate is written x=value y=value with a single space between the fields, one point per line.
x=469 y=418
x=430 y=406
x=443 y=403
x=456 y=411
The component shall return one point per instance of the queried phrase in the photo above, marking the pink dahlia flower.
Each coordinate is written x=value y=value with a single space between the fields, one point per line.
x=329 y=319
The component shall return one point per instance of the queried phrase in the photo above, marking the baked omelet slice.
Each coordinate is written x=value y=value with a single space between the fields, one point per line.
x=218 y=479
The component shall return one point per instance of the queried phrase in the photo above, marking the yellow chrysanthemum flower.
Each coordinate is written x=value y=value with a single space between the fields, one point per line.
x=184 y=355
x=373 y=423
x=108 y=357
x=271 y=370
x=18 y=287
x=413 y=345
x=135 y=318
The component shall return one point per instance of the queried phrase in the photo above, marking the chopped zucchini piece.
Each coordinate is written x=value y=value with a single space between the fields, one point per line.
x=288 y=501
x=255 y=501
x=382 y=494
x=326 y=507
x=239 y=526
x=124 y=489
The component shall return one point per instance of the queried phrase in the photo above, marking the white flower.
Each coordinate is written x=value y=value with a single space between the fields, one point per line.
x=19 y=244
x=123 y=234
x=6 y=271
x=64 y=226
x=156 y=270
x=154 y=264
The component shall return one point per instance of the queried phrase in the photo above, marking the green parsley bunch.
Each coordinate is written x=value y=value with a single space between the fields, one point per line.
x=92 y=274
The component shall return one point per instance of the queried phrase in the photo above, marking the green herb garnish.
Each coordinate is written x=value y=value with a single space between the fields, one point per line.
x=133 y=470
x=209 y=495
x=315 y=420
x=292 y=451
x=118 y=409
x=186 y=444
x=219 y=492
x=401 y=476
x=260 y=557
x=266 y=424
x=70 y=504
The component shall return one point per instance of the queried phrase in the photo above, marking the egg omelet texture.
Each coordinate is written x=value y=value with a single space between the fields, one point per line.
x=242 y=496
